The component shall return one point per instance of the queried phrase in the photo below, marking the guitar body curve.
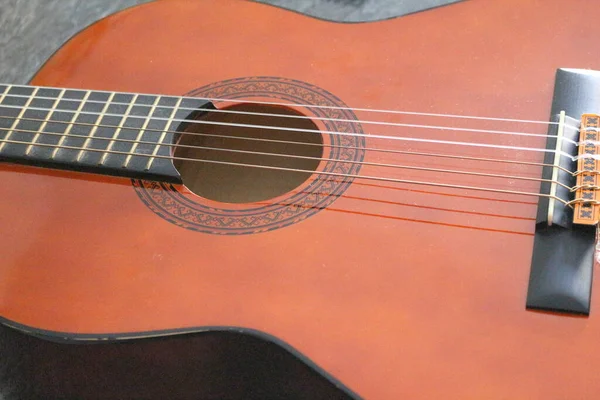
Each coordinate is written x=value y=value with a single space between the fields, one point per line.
x=387 y=290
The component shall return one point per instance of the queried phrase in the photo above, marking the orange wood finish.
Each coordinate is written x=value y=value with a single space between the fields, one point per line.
x=389 y=290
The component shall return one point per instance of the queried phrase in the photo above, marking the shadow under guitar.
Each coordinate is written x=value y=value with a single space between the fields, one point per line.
x=206 y=365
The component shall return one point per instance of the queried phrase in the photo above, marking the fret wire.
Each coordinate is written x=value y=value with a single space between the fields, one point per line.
x=95 y=128
x=46 y=120
x=117 y=131
x=5 y=93
x=164 y=133
x=71 y=124
x=142 y=131
x=326 y=173
x=18 y=118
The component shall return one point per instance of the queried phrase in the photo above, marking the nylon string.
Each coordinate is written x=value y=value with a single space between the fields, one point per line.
x=316 y=131
x=115 y=138
x=400 y=112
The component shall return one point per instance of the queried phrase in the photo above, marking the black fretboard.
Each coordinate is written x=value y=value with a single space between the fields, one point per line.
x=109 y=133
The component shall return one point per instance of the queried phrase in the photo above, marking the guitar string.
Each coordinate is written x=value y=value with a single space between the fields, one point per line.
x=373 y=149
x=317 y=131
x=326 y=173
x=301 y=157
x=400 y=112
x=355 y=121
x=396 y=203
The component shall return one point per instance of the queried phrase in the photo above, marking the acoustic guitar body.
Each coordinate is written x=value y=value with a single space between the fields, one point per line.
x=391 y=290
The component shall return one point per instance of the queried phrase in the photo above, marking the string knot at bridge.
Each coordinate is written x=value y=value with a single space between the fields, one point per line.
x=586 y=204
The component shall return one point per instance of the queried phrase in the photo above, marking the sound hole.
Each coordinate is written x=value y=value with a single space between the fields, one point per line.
x=230 y=183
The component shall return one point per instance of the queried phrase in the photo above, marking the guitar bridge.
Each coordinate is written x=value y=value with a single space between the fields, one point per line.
x=565 y=235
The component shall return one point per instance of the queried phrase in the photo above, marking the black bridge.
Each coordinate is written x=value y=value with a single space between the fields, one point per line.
x=563 y=253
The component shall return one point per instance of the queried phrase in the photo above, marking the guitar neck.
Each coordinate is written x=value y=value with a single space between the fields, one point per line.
x=109 y=133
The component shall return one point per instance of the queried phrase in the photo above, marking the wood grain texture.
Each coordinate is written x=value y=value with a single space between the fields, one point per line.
x=31 y=30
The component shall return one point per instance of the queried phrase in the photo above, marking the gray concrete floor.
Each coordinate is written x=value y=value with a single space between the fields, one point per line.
x=31 y=30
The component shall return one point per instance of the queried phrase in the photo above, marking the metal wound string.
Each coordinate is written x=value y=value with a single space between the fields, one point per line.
x=327 y=173
x=378 y=178
x=295 y=156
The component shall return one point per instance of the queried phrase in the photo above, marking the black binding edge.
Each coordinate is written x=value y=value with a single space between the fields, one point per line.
x=104 y=338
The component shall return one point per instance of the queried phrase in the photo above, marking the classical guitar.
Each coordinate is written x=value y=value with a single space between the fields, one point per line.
x=407 y=206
